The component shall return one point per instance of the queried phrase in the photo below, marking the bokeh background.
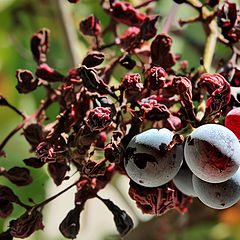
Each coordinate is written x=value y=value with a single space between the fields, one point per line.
x=19 y=20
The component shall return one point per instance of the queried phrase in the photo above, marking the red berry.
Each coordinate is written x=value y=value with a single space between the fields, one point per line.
x=232 y=121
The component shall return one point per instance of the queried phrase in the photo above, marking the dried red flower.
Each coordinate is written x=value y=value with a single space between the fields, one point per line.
x=156 y=78
x=90 y=26
x=40 y=45
x=99 y=118
x=93 y=58
x=219 y=90
x=124 y=13
x=46 y=73
x=159 y=200
x=19 y=176
x=27 y=224
x=161 y=51
x=132 y=81
x=26 y=81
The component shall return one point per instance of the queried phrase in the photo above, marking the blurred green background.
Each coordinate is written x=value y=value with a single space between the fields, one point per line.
x=20 y=19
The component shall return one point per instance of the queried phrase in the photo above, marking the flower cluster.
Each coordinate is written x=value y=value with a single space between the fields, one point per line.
x=93 y=113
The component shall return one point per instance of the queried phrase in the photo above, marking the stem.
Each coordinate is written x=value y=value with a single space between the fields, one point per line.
x=69 y=31
x=145 y=3
x=42 y=204
x=170 y=18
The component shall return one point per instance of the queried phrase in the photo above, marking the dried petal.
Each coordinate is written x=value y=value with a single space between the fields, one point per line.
x=99 y=118
x=124 y=13
x=27 y=224
x=58 y=171
x=19 y=176
x=122 y=220
x=6 y=235
x=26 y=81
x=70 y=225
x=184 y=90
x=33 y=134
x=130 y=39
x=6 y=208
x=93 y=59
x=46 y=73
x=6 y=193
x=219 y=90
x=45 y=152
x=132 y=81
x=73 y=1
x=159 y=200
x=156 y=78
x=161 y=51
x=40 y=45
x=34 y=162
x=92 y=81
x=127 y=62
x=91 y=26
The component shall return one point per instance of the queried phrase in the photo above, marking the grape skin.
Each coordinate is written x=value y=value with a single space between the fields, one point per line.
x=212 y=153
x=218 y=195
x=146 y=161
x=232 y=121
x=183 y=181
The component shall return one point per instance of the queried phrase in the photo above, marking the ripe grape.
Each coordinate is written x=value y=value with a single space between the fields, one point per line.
x=148 y=163
x=218 y=195
x=183 y=180
x=212 y=153
x=232 y=121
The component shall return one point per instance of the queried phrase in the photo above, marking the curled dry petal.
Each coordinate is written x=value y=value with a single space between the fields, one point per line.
x=92 y=81
x=132 y=81
x=40 y=45
x=90 y=26
x=184 y=90
x=46 y=73
x=156 y=78
x=73 y=1
x=161 y=51
x=24 y=226
x=127 y=62
x=6 y=208
x=218 y=89
x=6 y=235
x=93 y=58
x=6 y=193
x=159 y=200
x=26 y=81
x=70 y=225
x=124 y=13
x=99 y=118
x=33 y=134
x=58 y=171
x=122 y=220
x=19 y=176
x=34 y=162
